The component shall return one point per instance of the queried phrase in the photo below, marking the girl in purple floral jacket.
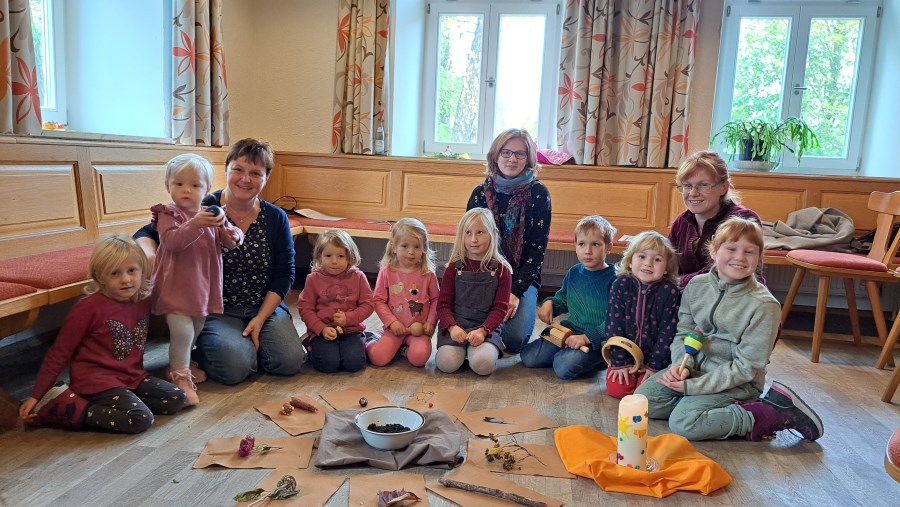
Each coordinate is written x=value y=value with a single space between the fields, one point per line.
x=643 y=307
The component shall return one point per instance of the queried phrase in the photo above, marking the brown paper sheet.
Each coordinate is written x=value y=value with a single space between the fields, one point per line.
x=473 y=475
x=349 y=398
x=450 y=401
x=545 y=461
x=300 y=421
x=364 y=488
x=314 y=489
x=518 y=420
x=294 y=453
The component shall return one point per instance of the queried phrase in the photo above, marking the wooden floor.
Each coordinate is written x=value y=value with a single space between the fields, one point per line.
x=51 y=467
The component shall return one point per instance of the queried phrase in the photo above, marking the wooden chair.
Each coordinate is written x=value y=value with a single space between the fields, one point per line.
x=887 y=355
x=873 y=269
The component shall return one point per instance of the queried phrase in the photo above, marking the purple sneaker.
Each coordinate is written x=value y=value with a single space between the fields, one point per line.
x=60 y=408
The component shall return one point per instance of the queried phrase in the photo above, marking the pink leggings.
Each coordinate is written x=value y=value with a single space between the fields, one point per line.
x=383 y=350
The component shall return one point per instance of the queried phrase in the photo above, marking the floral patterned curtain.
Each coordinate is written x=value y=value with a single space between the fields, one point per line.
x=359 y=95
x=625 y=75
x=20 y=104
x=199 y=87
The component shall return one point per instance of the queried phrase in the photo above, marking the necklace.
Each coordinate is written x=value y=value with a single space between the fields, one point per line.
x=240 y=221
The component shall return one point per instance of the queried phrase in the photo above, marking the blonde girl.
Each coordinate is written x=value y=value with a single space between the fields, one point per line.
x=406 y=294
x=102 y=342
x=717 y=394
x=643 y=307
x=188 y=270
x=334 y=304
x=474 y=297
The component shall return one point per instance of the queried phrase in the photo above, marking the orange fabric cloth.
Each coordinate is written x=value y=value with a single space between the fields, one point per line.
x=586 y=452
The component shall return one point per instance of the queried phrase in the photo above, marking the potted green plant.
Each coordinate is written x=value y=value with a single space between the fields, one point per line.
x=760 y=142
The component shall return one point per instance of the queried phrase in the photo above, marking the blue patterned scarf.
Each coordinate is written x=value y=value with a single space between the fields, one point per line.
x=512 y=223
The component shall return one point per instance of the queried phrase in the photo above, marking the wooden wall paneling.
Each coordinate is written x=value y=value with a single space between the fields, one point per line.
x=772 y=205
x=437 y=198
x=854 y=204
x=338 y=191
x=126 y=194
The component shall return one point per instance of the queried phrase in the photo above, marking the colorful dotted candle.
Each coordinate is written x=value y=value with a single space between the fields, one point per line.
x=632 y=440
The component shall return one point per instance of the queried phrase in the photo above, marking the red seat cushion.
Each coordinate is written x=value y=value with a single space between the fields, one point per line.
x=893 y=448
x=48 y=270
x=777 y=253
x=837 y=260
x=13 y=290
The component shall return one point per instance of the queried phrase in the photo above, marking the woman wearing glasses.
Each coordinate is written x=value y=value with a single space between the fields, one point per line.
x=521 y=208
x=255 y=332
x=710 y=199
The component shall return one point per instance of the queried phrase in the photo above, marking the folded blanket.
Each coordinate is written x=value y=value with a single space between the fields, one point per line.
x=811 y=228
x=438 y=443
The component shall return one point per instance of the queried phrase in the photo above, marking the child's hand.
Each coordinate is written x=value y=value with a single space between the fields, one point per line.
x=231 y=238
x=676 y=373
x=647 y=373
x=206 y=219
x=428 y=329
x=339 y=318
x=545 y=312
x=576 y=341
x=252 y=330
x=398 y=328
x=618 y=376
x=25 y=409
x=513 y=306
x=476 y=336
x=329 y=333
x=458 y=334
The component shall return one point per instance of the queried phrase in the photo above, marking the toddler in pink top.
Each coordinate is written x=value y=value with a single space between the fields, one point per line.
x=406 y=294
x=334 y=303
x=188 y=270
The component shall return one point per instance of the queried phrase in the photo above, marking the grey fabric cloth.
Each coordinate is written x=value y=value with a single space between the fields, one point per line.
x=811 y=228
x=438 y=444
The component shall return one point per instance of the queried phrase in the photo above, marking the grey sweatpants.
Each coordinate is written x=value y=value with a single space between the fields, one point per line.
x=700 y=416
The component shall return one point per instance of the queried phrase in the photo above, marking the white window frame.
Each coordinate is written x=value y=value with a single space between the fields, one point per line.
x=54 y=38
x=801 y=13
x=549 y=76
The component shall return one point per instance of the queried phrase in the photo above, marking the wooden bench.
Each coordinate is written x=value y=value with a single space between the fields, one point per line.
x=58 y=198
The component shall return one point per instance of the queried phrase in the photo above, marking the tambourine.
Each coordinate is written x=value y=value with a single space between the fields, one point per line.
x=629 y=346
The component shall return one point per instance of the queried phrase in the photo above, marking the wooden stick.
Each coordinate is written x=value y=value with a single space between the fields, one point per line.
x=683 y=361
x=474 y=488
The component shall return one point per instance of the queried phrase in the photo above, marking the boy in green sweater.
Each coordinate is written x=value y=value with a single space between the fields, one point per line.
x=584 y=295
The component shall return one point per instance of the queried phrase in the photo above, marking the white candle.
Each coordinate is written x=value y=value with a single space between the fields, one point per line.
x=632 y=438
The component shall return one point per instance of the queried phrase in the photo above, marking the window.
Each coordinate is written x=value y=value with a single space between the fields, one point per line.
x=489 y=66
x=812 y=60
x=47 y=32
x=105 y=67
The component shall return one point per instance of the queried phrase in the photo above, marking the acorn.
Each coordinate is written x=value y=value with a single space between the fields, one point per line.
x=416 y=329
x=363 y=402
x=215 y=210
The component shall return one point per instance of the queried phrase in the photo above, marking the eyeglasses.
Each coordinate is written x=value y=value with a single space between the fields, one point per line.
x=700 y=187
x=520 y=155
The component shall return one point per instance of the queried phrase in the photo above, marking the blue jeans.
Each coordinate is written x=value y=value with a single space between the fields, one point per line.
x=568 y=364
x=229 y=358
x=347 y=352
x=517 y=330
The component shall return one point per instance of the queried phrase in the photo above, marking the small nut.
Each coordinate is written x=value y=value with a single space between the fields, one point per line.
x=287 y=409
x=363 y=402
x=430 y=404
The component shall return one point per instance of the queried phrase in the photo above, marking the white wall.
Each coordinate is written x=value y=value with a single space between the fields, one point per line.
x=280 y=59
x=408 y=26
x=117 y=66
x=881 y=149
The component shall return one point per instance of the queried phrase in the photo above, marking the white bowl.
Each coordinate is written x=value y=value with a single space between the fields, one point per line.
x=388 y=415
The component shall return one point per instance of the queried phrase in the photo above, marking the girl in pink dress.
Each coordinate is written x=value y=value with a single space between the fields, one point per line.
x=188 y=271
x=406 y=295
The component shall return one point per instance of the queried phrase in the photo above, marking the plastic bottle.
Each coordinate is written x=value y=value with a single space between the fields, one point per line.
x=378 y=145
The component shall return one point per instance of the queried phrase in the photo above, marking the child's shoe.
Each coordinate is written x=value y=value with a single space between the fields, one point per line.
x=782 y=409
x=185 y=381
x=198 y=374
x=60 y=408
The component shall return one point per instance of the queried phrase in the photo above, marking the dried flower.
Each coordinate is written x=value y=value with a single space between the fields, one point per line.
x=508 y=453
x=286 y=488
x=248 y=446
